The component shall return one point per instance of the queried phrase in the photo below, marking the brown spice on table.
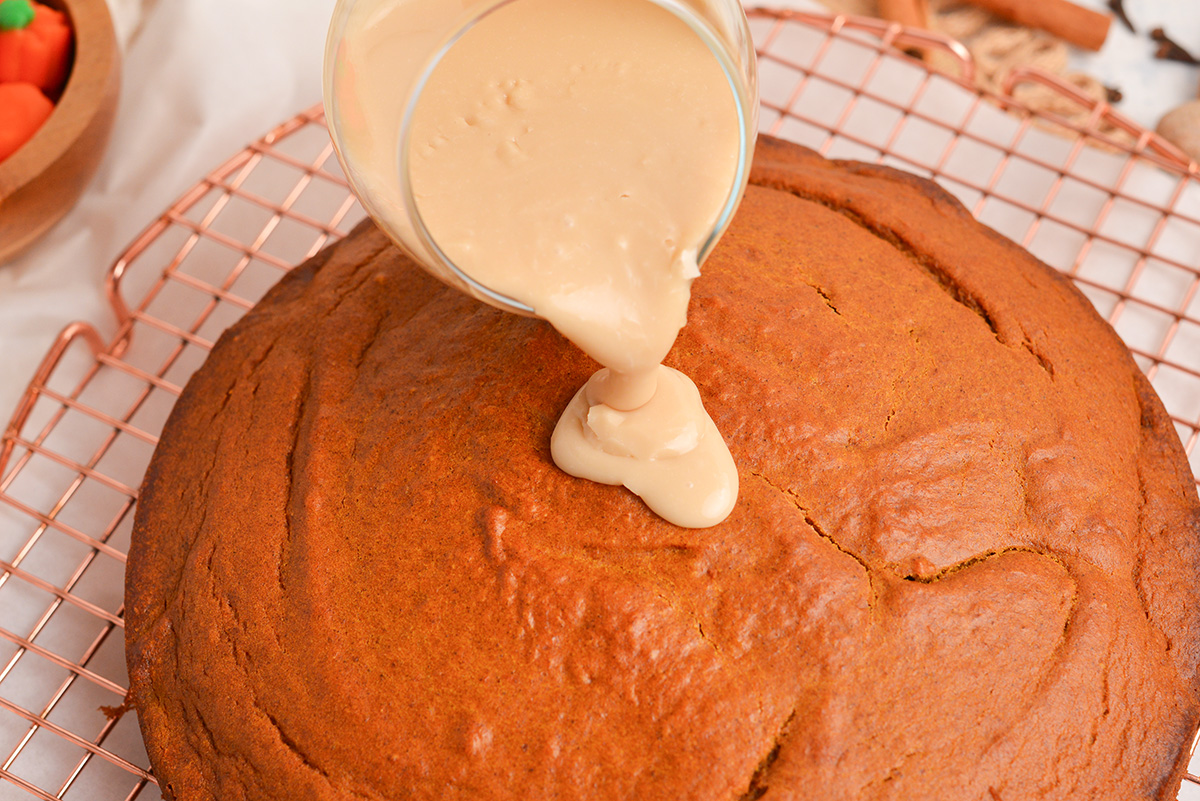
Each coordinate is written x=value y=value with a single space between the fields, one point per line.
x=997 y=48
x=1117 y=7
x=1170 y=50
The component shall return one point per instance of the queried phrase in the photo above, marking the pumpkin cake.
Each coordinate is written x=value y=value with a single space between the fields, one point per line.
x=964 y=564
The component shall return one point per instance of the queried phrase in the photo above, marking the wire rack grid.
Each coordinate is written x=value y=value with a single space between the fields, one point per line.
x=1120 y=215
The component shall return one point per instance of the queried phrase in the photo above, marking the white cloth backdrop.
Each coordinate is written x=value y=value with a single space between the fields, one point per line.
x=204 y=77
x=201 y=79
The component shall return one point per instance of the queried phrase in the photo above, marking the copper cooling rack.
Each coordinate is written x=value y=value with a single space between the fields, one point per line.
x=1119 y=213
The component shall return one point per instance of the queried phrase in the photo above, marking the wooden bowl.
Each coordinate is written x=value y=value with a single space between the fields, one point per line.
x=41 y=181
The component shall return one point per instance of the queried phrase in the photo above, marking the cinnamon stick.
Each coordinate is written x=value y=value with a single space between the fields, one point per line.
x=1075 y=24
x=909 y=13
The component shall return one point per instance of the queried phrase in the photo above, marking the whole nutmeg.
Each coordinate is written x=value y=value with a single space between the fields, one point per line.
x=1181 y=127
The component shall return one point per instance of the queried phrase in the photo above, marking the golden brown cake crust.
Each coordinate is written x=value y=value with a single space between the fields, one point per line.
x=964 y=563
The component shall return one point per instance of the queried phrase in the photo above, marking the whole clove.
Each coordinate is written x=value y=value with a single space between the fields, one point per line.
x=1169 y=50
x=1117 y=7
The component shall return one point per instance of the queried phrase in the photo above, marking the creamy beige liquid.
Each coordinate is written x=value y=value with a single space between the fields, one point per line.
x=574 y=156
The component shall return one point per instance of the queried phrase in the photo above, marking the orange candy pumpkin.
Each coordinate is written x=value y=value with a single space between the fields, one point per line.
x=39 y=53
x=23 y=109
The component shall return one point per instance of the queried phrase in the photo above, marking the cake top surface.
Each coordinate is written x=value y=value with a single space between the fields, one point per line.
x=963 y=562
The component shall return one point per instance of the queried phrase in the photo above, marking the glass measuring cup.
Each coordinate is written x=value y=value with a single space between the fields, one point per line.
x=411 y=37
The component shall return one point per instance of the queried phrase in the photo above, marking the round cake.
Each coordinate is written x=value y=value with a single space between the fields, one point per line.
x=964 y=564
